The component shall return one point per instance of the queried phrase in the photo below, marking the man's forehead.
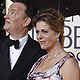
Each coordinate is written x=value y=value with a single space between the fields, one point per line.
x=17 y=6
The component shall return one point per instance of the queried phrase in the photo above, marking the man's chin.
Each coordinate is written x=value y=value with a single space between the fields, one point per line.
x=5 y=28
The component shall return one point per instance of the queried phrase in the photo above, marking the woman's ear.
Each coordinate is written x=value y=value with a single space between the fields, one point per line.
x=58 y=34
x=27 y=21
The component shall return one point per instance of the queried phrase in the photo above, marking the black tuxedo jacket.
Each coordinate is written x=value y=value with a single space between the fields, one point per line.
x=30 y=53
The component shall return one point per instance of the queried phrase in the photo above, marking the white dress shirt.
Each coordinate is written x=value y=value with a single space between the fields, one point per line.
x=15 y=53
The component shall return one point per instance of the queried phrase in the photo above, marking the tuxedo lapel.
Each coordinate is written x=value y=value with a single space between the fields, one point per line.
x=4 y=59
x=25 y=58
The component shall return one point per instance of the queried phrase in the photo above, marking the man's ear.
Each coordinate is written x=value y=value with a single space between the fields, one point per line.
x=27 y=21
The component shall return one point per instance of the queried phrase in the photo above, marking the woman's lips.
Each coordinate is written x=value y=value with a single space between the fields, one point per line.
x=41 y=42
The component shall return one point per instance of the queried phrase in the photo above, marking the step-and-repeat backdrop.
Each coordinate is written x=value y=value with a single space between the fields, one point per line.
x=71 y=33
x=72 y=36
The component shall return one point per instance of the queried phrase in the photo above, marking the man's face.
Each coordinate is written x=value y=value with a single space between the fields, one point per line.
x=15 y=19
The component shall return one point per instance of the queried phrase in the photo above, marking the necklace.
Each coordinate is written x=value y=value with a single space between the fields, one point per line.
x=54 y=55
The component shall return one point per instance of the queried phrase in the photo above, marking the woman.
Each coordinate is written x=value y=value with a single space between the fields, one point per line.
x=57 y=64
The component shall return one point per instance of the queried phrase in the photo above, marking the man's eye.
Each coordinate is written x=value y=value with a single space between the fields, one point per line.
x=13 y=13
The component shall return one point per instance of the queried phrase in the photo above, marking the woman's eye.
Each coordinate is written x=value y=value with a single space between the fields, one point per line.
x=44 y=31
x=37 y=31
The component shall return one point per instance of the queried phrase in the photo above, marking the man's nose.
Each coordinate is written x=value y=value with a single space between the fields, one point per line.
x=6 y=16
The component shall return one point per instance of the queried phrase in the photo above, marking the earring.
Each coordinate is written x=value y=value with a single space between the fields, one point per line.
x=57 y=38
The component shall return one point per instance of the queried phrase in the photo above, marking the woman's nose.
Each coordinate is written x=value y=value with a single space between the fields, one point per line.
x=39 y=36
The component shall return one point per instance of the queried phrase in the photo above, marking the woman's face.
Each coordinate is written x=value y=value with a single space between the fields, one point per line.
x=46 y=36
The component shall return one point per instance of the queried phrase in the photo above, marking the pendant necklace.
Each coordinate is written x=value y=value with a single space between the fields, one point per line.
x=54 y=55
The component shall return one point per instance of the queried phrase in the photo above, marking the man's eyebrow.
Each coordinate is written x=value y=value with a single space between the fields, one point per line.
x=12 y=10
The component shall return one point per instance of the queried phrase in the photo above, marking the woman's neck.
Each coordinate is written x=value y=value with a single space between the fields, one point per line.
x=55 y=50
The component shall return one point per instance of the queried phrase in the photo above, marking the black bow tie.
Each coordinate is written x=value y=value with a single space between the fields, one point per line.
x=14 y=42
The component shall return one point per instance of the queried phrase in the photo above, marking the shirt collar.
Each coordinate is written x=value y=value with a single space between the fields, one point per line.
x=22 y=40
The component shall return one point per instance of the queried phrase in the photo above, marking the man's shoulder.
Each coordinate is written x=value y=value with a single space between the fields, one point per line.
x=33 y=42
x=3 y=39
x=35 y=45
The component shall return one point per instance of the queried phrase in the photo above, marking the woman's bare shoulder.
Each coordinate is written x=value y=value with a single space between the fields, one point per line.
x=70 y=69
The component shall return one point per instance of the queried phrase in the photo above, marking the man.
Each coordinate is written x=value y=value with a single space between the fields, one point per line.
x=16 y=61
